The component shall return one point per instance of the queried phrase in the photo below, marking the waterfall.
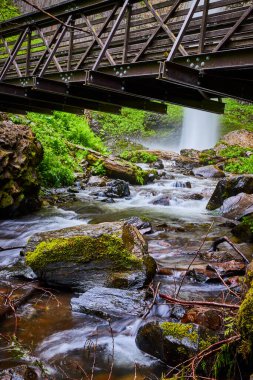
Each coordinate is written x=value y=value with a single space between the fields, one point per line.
x=200 y=129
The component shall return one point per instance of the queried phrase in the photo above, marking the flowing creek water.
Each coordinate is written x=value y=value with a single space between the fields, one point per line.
x=63 y=338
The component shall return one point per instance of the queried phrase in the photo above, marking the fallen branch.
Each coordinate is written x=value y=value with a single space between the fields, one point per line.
x=198 y=303
x=153 y=302
x=224 y=239
x=11 y=248
x=194 y=258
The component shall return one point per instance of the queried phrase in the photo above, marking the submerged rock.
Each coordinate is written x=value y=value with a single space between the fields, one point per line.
x=88 y=255
x=24 y=372
x=20 y=155
x=110 y=303
x=163 y=201
x=229 y=187
x=210 y=171
x=172 y=342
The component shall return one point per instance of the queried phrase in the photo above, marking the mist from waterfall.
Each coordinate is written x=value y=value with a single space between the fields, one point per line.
x=200 y=129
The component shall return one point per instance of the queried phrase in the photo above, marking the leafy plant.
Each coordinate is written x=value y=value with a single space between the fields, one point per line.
x=139 y=156
x=60 y=135
x=98 y=168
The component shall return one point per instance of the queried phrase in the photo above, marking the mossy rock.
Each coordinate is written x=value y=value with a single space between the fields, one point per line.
x=173 y=342
x=86 y=255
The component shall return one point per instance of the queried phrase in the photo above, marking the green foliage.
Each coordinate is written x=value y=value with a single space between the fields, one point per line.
x=248 y=222
x=243 y=165
x=238 y=115
x=56 y=134
x=175 y=114
x=8 y=10
x=98 y=168
x=224 y=360
x=139 y=156
x=129 y=123
x=234 y=151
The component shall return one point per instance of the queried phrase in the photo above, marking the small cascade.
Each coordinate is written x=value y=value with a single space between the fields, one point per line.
x=200 y=129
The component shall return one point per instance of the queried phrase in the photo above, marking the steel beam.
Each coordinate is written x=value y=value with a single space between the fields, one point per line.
x=218 y=85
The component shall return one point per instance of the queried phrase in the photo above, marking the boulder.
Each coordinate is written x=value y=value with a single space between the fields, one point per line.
x=163 y=201
x=157 y=164
x=239 y=137
x=114 y=167
x=144 y=227
x=172 y=342
x=209 y=171
x=20 y=155
x=229 y=187
x=110 y=303
x=106 y=254
x=117 y=189
x=97 y=181
x=237 y=206
x=243 y=231
x=209 y=318
x=182 y=184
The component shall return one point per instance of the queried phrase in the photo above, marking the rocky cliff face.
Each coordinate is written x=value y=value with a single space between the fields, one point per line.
x=20 y=154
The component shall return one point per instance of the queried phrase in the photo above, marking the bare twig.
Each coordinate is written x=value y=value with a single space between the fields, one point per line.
x=199 y=303
x=11 y=248
x=226 y=239
x=226 y=285
x=153 y=302
x=113 y=348
x=194 y=258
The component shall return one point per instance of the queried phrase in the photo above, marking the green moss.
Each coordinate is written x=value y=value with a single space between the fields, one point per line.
x=82 y=249
x=180 y=331
x=139 y=156
x=6 y=200
x=245 y=317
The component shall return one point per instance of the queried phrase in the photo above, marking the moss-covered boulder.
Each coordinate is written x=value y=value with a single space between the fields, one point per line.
x=118 y=168
x=106 y=254
x=229 y=187
x=20 y=154
x=173 y=342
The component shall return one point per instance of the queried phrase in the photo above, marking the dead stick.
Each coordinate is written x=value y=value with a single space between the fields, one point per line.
x=11 y=248
x=226 y=239
x=153 y=302
x=194 y=258
x=199 y=303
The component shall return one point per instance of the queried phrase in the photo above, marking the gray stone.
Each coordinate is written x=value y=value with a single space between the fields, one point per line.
x=110 y=303
x=210 y=171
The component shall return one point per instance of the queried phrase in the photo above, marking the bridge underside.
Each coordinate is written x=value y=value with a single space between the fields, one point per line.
x=103 y=55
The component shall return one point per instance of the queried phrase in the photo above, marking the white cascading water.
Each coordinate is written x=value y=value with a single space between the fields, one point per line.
x=200 y=129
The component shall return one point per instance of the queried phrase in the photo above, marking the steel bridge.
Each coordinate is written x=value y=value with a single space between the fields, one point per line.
x=105 y=54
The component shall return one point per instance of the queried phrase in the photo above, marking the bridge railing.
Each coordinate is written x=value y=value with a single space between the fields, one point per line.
x=92 y=34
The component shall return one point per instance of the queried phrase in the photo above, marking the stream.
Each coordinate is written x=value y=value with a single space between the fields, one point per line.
x=66 y=340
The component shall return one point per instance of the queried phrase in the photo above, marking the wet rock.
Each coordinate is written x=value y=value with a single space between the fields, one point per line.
x=24 y=372
x=117 y=189
x=191 y=153
x=165 y=175
x=73 y=190
x=110 y=303
x=163 y=201
x=157 y=165
x=209 y=318
x=178 y=312
x=88 y=255
x=144 y=227
x=229 y=187
x=20 y=155
x=243 y=231
x=97 y=181
x=196 y=197
x=182 y=184
x=237 y=206
x=210 y=171
x=229 y=268
x=172 y=342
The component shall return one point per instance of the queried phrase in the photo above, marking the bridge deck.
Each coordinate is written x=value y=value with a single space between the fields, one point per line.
x=103 y=55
